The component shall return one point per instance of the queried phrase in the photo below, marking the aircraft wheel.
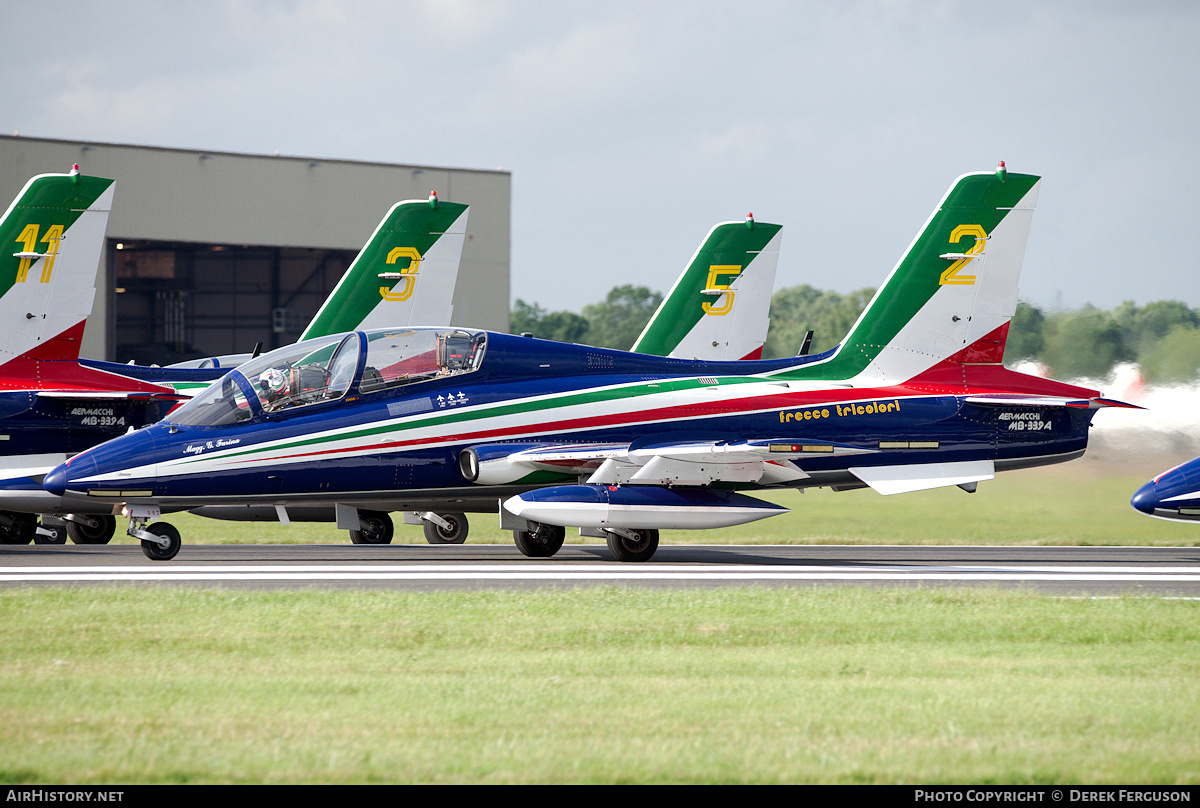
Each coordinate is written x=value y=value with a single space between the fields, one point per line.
x=155 y=552
x=59 y=537
x=640 y=548
x=457 y=534
x=17 y=528
x=375 y=528
x=542 y=541
x=102 y=533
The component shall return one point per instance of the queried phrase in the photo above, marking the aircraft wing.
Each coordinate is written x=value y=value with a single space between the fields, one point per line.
x=921 y=476
x=703 y=463
x=766 y=462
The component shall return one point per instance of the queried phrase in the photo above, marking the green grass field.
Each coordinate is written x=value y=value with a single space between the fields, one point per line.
x=163 y=684
x=599 y=685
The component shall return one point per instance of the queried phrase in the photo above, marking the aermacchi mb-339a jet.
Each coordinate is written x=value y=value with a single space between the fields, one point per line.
x=620 y=444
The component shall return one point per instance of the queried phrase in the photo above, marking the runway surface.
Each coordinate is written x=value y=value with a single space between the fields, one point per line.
x=1082 y=571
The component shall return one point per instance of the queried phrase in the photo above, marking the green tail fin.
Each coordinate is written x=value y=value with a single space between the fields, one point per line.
x=405 y=274
x=719 y=307
x=54 y=232
x=955 y=287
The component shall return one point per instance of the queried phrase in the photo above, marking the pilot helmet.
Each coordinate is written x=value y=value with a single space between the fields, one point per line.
x=272 y=381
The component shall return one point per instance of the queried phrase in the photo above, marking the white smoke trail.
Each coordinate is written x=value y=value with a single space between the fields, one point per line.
x=1167 y=431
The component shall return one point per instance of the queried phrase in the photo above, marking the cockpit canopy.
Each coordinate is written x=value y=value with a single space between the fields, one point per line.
x=329 y=368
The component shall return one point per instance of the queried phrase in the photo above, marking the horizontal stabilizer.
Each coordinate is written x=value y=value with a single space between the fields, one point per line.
x=111 y=395
x=918 y=477
x=1112 y=402
x=1025 y=400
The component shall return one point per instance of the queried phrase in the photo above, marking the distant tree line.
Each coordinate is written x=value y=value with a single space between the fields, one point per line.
x=1162 y=337
x=616 y=322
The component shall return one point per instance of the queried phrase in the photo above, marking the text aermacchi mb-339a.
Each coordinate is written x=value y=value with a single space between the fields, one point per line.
x=617 y=444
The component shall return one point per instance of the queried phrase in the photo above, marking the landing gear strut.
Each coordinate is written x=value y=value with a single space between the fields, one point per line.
x=445 y=528
x=160 y=541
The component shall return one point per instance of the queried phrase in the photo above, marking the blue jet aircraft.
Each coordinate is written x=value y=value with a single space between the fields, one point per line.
x=619 y=444
x=1174 y=494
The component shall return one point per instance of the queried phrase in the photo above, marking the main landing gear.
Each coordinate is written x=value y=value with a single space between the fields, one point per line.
x=17 y=528
x=439 y=528
x=375 y=527
x=444 y=528
x=632 y=545
x=22 y=528
x=91 y=528
x=50 y=530
x=540 y=540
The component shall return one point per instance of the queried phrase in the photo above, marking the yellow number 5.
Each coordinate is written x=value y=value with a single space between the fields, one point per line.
x=711 y=286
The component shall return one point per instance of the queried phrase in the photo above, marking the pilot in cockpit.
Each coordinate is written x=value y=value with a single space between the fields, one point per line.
x=272 y=388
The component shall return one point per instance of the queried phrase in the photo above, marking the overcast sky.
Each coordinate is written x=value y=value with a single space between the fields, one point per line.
x=631 y=128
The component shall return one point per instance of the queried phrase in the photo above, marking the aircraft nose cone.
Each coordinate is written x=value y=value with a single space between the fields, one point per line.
x=57 y=480
x=1146 y=498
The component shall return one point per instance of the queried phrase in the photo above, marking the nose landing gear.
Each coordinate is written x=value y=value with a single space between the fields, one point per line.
x=160 y=541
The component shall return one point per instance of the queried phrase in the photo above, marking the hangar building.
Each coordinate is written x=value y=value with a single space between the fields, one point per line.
x=212 y=252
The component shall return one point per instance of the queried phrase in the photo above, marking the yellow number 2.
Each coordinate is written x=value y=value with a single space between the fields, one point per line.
x=951 y=277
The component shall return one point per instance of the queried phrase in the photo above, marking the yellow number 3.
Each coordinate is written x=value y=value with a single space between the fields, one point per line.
x=408 y=275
